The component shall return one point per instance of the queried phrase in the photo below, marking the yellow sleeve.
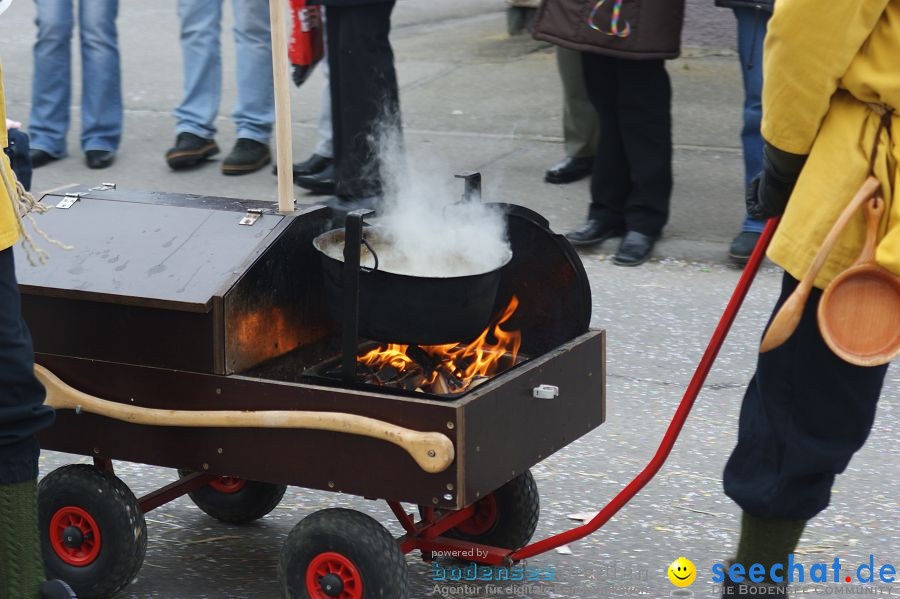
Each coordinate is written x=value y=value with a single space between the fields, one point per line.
x=809 y=46
x=9 y=227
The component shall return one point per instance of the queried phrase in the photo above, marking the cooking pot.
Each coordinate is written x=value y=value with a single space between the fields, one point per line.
x=405 y=309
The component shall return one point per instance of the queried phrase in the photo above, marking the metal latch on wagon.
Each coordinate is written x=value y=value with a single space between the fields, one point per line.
x=545 y=392
x=253 y=215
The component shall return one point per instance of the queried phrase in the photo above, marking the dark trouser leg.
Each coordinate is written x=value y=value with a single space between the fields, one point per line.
x=580 y=128
x=22 y=413
x=18 y=151
x=611 y=179
x=644 y=108
x=364 y=95
x=805 y=413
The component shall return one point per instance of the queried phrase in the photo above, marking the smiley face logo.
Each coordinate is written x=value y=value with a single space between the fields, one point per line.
x=682 y=572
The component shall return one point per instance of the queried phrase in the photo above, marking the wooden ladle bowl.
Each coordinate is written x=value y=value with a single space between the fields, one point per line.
x=859 y=312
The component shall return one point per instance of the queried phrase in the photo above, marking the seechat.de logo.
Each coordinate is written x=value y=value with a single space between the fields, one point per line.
x=682 y=572
x=794 y=571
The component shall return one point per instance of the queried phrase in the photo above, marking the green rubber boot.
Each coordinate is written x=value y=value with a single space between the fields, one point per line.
x=765 y=541
x=21 y=567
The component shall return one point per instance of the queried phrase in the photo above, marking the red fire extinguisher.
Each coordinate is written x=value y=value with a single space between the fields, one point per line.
x=306 y=48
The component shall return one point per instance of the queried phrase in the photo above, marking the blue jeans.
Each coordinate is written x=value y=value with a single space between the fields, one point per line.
x=201 y=27
x=101 y=95
x=751 y=32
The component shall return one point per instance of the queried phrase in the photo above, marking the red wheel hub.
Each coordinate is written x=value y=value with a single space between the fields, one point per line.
x=75 y=536
x=227 y=484
x=483 y=520
x=332 y=576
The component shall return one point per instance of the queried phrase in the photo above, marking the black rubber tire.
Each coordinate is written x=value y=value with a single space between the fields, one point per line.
x=518 y=511
x=118 y=515
x=255 y=500
x=355 y=536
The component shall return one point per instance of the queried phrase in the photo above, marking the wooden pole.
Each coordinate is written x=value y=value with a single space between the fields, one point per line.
x=283 y=142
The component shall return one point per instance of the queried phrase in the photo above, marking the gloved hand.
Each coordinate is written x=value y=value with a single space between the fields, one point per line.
x=301 y=73
x=768 y=193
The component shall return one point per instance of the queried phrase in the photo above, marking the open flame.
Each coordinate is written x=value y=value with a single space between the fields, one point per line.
x=451 y=368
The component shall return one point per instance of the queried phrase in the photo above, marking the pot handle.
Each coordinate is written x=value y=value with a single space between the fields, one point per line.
x=366 y=243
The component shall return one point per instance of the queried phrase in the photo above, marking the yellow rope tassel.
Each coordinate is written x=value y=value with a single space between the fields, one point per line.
x=23 y=205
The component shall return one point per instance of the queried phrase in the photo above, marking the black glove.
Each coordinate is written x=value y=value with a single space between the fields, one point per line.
x=769 y=192
x=301 y=73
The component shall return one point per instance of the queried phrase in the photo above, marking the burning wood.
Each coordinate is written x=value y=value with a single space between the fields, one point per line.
x=445 y=369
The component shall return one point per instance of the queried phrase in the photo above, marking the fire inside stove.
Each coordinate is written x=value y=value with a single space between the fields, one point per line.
x=444 y=369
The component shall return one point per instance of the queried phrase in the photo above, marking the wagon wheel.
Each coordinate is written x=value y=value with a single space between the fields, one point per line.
x=93 y=533
x=341 y=554
x=506 y=518
x=236 y=500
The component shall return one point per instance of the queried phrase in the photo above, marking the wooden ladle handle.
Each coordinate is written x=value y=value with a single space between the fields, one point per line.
x=432 y=451
x=788 y=317
x=874 y=212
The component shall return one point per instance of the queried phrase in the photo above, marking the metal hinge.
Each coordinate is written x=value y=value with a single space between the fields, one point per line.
x=253 y=215
x=70 y=199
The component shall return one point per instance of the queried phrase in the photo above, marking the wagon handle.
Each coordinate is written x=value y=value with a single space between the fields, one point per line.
x=433 y=452
x=678 y=420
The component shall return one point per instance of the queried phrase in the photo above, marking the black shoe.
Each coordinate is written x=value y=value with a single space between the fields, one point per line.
x=99 y=158
x=635 y=249
x=321 y=182
x=190 y=150
x=569 y=170
x=312 y=165
x=247 y=156
x=56 y=589
x=39 y=158
x=742 y=246
x=594 y=231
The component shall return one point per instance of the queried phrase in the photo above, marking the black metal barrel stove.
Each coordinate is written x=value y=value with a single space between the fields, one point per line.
x=199 y=333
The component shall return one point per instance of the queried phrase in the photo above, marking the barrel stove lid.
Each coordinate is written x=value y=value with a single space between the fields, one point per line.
x=548 y=278
x=151 y=249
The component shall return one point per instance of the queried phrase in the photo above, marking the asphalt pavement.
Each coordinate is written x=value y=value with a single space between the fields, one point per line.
x=475 y=99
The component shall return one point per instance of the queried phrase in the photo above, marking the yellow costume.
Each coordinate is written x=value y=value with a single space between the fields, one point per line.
x=825 y=64
x=9 y=228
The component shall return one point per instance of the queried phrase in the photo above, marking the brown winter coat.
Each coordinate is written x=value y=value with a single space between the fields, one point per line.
x=646 y=29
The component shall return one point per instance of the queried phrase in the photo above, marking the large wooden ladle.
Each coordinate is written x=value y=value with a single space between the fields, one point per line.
x=859 y=313
x=434 y=452
x=787 y=318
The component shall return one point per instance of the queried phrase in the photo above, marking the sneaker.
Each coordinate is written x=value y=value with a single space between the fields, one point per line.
x=247 y=156
x=742 y=246
x=190 y=150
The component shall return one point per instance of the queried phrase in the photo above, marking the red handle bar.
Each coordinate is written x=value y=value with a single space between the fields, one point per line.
x=681 y=414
